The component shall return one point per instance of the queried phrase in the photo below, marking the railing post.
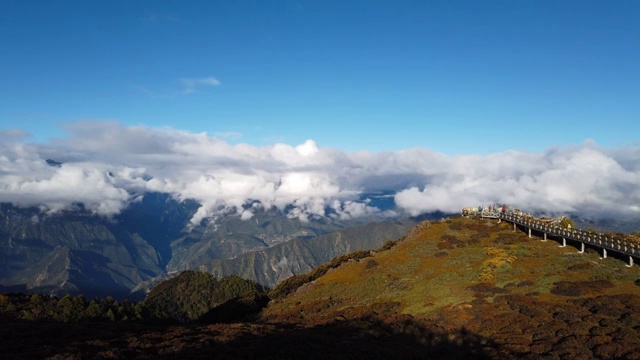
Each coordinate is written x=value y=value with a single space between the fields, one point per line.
x=544 y=238
x=604 y=253
x=564 y=242
x=630 y=261
x=581 y=248
x=529 y=232
x=514 y=227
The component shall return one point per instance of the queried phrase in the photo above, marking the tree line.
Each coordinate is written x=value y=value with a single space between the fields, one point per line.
x=184 y=298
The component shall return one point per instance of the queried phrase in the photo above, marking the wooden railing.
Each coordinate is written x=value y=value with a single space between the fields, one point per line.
x=601 y=241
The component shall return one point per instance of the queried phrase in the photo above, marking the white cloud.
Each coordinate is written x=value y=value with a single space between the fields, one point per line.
x=191 y=85
x=105 y=164
x=283 y=263
x=228 y=135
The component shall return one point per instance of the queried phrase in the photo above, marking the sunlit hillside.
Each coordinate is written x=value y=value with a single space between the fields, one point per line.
x=523 y=296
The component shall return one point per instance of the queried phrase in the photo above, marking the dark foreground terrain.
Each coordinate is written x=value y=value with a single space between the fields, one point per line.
x=369 y=339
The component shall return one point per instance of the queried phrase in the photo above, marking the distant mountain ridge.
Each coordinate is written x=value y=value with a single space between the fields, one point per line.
x=78 y=252
x=272 y=265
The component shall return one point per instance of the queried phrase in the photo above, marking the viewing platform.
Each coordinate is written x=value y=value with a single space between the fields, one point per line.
x=603 y=242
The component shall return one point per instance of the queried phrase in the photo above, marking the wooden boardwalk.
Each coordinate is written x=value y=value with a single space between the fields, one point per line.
x=603 y=242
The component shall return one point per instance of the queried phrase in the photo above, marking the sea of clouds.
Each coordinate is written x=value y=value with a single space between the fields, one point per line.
x=107 y=165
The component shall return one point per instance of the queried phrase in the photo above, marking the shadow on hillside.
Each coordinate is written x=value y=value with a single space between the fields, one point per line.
x=360 y=339
x=352 y=340
x=235 y=310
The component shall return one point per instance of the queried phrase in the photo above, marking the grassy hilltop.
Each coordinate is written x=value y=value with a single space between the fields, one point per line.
x=524 y=296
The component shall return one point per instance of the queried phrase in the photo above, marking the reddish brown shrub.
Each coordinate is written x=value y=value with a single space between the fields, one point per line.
x=486 y=289
x=474 y=238
x=579 y=288
x=508 y=238
x=456 y=226
x=454 y=241
x=386 y=308
x=371 y=264
x=525 y=283
x=581 y=266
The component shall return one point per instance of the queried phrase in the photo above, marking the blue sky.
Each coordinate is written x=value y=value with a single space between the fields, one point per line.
x=458 y=77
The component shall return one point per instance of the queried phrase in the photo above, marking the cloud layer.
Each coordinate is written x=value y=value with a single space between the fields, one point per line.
x=107 y=165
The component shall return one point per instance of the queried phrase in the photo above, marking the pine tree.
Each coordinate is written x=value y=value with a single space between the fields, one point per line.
x=110 y=315
x=94 y=310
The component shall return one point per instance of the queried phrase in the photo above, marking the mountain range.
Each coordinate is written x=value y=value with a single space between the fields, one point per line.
x=76 y=252
x=153 y=239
